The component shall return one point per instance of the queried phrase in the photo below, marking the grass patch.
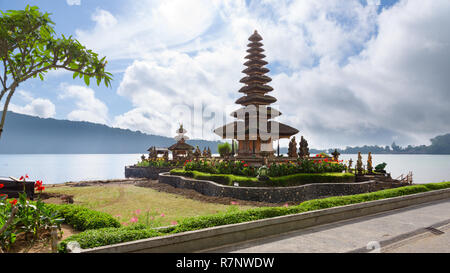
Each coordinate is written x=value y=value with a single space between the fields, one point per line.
x=124 y=202
x=108 y=236
x=282 y=181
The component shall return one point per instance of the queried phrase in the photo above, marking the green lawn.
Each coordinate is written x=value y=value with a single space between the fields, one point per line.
x=124 y=201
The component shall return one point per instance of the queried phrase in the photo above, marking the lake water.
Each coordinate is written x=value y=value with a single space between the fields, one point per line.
x=60 y=168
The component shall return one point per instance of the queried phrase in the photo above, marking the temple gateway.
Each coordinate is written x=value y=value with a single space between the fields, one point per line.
x=254 y=130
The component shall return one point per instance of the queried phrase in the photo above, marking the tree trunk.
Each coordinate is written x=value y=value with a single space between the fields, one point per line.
x=5 y=107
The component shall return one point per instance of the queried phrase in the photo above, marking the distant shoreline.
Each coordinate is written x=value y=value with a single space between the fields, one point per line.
x=141 y=153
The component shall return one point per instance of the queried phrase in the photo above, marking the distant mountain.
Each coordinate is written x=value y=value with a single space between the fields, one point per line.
x=25 y=134
x=439 y=145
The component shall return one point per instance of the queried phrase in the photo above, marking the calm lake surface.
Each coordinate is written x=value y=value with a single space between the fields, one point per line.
x=60 y=168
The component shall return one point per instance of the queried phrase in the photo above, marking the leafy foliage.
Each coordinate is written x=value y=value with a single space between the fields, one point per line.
x=82 y=218
x=29 y=49
x=108 y=236
x=282 y=181
x=224 y=149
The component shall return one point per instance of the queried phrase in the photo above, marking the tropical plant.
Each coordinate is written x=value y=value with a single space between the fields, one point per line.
x=29 y=49
x=224 y=149
x=23 y=216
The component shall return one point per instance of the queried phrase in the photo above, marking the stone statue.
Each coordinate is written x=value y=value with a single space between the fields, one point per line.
x=205 y=152
x=350 y=163
x=369 y=163
x=197 y=152
x=303 y=149
x=292 y=151
x=152 y=153
x=209 y=152
x=359 y=165
x=336 y=155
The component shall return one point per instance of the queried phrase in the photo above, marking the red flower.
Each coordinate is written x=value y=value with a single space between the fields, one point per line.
x=38 y=184
x=1 y=186
x=245 y=165
x=40 y=189
x=13 y=202
x=21 y=178
x=4 y=195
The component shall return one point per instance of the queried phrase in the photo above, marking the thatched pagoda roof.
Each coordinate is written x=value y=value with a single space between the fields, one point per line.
x=181 y=146
x=255 y=62
x=256 y=79
x=255 y=44
x=255 y=55
x=252 y=112
x=240 y=128
x=255 y=70
x=256 y=99
x=255 y=37
x=256 y=88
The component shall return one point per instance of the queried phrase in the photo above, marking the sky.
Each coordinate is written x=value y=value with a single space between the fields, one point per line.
x=345 y=72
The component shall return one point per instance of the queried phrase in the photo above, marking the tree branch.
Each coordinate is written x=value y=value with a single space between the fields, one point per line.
x=11 y=218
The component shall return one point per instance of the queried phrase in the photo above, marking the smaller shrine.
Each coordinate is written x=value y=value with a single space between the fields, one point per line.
x=181 y=149
x=157 y=152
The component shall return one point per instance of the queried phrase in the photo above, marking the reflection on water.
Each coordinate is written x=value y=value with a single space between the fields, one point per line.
x=59 y=168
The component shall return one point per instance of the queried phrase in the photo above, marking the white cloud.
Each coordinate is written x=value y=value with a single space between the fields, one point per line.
x=88 y=107
x=40 y=107
x=73 y=2
x=147 y=25
x=343 y=74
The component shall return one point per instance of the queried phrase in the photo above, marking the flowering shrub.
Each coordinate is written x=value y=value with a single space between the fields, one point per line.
x=221 y=167
x=274 y=170
x=305 y=166
x=158 y=162
x=22 y=216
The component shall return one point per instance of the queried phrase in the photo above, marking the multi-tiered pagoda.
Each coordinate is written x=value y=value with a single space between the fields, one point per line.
x=254 y=130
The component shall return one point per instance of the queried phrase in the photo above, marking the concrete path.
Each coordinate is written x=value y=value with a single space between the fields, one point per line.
x=383 y=232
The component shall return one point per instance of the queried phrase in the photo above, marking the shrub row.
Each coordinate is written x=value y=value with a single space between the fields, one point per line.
x=107 y=236
x=283 y=181
x=200 y=222
x=81 y=218
x=224 y=179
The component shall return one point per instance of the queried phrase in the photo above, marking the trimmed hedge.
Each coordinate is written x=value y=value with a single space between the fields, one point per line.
x=81 y=218
x=282 y=181
x=107 y=236
x=224 y=179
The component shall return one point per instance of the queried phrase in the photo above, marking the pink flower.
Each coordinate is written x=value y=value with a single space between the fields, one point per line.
x=125 y=224
x=286 y=205
x=234 y=203
x=174 y=223
x=137 y=212
x=134 y=219
x=162 y=215
x=118 y=215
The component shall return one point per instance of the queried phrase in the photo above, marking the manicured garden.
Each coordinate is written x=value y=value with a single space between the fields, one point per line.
x=282 y=181
x=99 y=228
x=106 y=236
x=282 y=174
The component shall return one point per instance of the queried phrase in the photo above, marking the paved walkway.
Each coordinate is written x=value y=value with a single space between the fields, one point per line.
x=383 y=232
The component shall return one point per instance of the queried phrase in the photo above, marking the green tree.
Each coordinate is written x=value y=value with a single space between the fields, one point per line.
x=29 y=49
x=224 y=149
